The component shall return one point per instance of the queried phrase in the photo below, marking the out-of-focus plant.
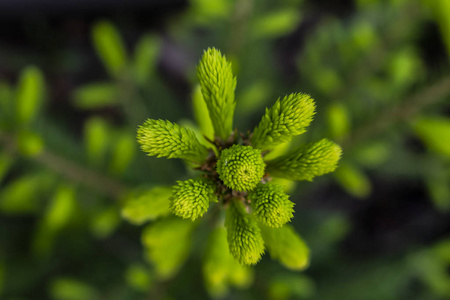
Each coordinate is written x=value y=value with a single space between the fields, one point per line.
x=234 y=173
x=376 y=66
x=431 y=266
x=65 y=234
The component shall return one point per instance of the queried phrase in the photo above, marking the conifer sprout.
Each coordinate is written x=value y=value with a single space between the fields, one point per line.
x=287 y=118
x=308 y=161
x=243 y=234
x=218 y=84
x=237 y=173
x=164 y=139
x=190 y=199
x=241 y=167
x=271 y=205
x=286 y=246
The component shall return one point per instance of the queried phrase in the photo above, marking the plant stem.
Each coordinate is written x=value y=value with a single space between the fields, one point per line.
x=70 y=170
x=401 y=112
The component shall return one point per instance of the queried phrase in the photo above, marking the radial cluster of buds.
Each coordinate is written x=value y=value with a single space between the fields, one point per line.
x=234 y=173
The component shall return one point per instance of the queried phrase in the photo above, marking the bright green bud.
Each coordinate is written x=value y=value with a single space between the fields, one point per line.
x=146 y=205
x=286 y=246
x=271 y=205
x=190 y=199
x=243 y=235
x=165 y=139
x=287 y=118
x=218 y=84
x=241 y=167
x=308 y=161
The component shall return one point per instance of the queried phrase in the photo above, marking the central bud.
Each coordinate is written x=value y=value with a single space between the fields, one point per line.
x=241 y=167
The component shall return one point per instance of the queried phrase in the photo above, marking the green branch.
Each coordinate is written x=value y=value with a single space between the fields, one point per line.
x=70 y=170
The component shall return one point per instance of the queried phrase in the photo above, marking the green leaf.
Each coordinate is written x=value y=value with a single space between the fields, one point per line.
x=165 y=139
x=220 y=269
x=333 y=229
x=435 y=134
x=441 y=10
x=404 y=67
x=372 y=153
x=338 y=121
x=307 y=161
x=23 y=194
x=61 y=208
x=30 y=144
x=433 y=271
x=72 y=289
x=123 y=153
x=57 y=215
x=29 y=95
x=286 y=246
x=145 y=58
x=110 y=48
x=96 y=140
x=96 y=95
x=285 y=286
x=326 y=80
x=287 y=118
x=146 y=205
x=353 y=180
x=105 y=221
x=275 y=24
x=364 y=35
x=167 y=243
x=253 y=97
x=442 y=251
x=218 y=84
x=138 y=277
x=201 y=113
x=243 y=234
x=210 y=13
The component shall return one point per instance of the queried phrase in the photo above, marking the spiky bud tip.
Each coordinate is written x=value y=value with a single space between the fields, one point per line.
x=243 y=234
x=217 y=85
x=165 y=139
x=287 y=118
x=271 y=205
x=190 y=199
x=308 y=161
x=241 y=167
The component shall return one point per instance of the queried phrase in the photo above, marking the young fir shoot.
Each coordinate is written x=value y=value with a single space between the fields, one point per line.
x=234 y=172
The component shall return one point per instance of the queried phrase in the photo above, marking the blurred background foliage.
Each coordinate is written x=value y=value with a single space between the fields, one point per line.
x=77 y=78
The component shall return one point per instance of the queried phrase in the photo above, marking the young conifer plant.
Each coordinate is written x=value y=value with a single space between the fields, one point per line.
x=234 y=172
